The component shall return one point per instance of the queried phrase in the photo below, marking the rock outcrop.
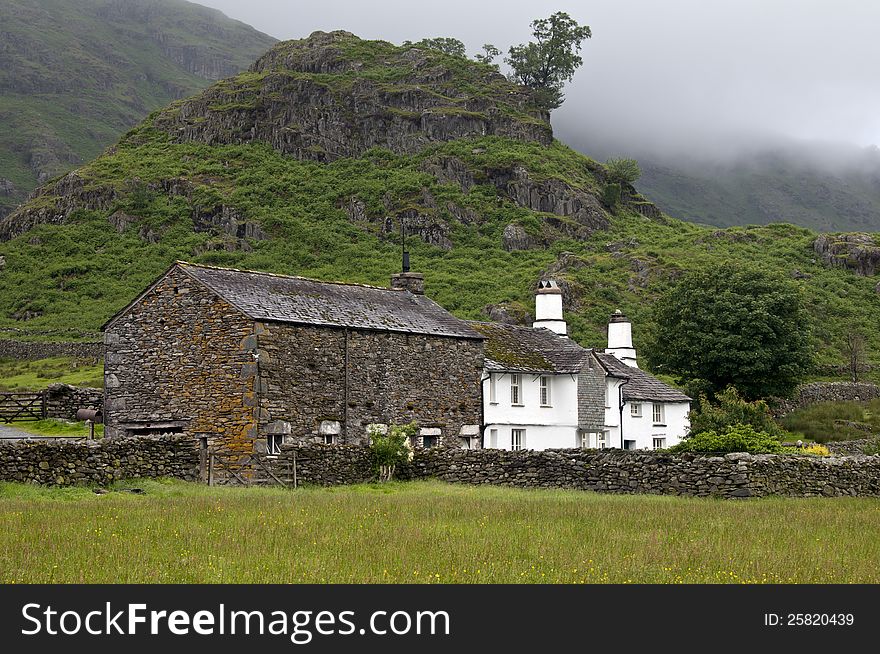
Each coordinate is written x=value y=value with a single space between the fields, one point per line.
x=859 y=253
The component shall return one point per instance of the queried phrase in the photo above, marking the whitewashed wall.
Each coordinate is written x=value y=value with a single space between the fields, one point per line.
x=642 y=429
x=546 y=427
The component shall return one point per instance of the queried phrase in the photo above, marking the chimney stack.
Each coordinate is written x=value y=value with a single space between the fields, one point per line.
x=548 y=308
x=409 y=281
x=620 y=342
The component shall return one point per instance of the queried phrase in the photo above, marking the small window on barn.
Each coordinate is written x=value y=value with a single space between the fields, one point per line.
x=274 y=443
x=515 y=390
x=329 y=439
x=430 y=441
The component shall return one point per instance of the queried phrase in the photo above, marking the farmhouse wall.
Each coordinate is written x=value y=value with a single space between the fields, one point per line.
x=392 y=378
x=63 y=400
x=66 y=462
x=31 y=351
x=182 y=359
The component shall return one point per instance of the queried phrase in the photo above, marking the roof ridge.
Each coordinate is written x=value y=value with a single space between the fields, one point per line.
x=281 y=276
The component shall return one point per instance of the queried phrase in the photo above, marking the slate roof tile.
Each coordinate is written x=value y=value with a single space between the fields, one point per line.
x=641 y=385
x=525 y=349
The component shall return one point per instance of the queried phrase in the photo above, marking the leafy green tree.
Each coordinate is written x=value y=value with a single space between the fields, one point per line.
x=733 y=324
x=623 y=171
x=448 y=45
x=490 y=52
x=549 y=61
x=390 y=449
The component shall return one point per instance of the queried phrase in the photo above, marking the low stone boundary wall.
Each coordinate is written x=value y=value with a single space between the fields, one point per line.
x=813 y=393
x=856 y=447
x=67 y=462
x=63 y=401
x=657 y=473
x=603 y=471
x=32 y=350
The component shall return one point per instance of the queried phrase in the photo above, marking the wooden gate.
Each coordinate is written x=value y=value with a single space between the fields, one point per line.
x=251 y=470
x=22 y=406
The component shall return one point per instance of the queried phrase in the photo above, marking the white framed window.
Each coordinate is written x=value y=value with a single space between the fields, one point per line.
x=273 y=443
x=517 y=439
x=493 y=438
x=635 y=410
x=600 y=441
x=516 y=390
x=658 y=414
x=659 y=442
x=545 y=391
x=493 y=398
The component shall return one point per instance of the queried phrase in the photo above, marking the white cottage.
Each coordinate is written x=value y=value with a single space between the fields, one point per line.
x=542 y=390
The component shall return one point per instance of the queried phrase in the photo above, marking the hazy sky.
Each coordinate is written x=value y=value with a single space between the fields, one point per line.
x=694 y=74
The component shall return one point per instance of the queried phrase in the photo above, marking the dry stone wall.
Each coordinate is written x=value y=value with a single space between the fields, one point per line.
x=813 y=393
x=63 y=401
x=31 y=351
x=68 y=462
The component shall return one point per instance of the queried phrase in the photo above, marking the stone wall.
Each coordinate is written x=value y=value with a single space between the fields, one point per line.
x=63 y=401
x=67 y=462
x=656 y=473
x=854 y=447
x=31 y=351
x=813 y=393
x=328 y=465
x=391 y=378
x=181 y=359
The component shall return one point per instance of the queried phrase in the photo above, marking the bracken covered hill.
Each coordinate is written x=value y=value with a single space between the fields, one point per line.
x=309 y=162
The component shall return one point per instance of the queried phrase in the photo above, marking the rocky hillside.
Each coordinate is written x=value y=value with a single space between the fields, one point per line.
x=309 y=162
x=76 y=74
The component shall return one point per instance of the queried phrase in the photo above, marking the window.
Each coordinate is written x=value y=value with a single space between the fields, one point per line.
x=600 y=440
x=493 y=438
x=629 y=445
x=635 y=410
x=517 y=439
x=545 y=391
x=273 y=444
x=659 y=442
x=492 y=397
x=329 y=439
x=658 y=414
x=515 y=393
x=430 y=441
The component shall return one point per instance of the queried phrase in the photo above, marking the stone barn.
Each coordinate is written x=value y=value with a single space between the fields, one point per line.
x=249 y=360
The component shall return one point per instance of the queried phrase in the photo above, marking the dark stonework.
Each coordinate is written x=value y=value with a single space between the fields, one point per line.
x=181 y=359
x=63 y=401
x=591 y=397
x=815 y=392
x=29 y=351
x=62 y=462
x=392 y=378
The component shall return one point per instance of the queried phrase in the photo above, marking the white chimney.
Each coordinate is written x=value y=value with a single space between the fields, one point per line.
x=548 y=308
x=620 y=340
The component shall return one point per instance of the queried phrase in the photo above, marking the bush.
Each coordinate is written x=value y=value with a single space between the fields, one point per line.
x=729 y=410
x=623 y=171
x=734 y=438
x=391 y=449
x=611 y=195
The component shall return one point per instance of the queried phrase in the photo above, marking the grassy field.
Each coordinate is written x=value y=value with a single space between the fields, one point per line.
x=59 y=428
x=835 y=421
x=427 y=532
x=18 y=376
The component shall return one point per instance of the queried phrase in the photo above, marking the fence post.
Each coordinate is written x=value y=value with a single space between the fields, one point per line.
x=43 y=409
x=211 y=469
x=294 y=468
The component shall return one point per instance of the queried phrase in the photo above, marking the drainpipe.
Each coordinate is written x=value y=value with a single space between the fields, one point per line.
x=621 y=404
x=345 y=393
x=483 y=381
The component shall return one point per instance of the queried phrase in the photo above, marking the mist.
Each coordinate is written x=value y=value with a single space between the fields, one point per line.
x=683 y=79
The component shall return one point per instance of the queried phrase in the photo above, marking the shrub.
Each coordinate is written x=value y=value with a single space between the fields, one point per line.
x=730 y=409
x=611 y=195
x=734 y=438
x=391 y=449
x=623 y=171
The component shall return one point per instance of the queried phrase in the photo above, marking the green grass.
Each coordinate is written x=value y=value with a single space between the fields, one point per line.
x=835 y=421
x=16 y=375
x=427 y=532
x=59 y=428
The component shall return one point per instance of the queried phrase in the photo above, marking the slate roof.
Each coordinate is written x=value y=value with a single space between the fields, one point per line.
x=524 y=349
x=641 y=385
x=281 y=298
